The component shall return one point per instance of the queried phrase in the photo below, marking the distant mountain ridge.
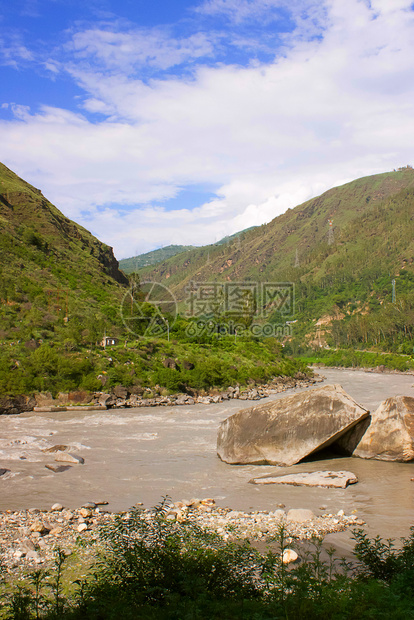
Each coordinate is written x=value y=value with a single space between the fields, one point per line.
x=130 y=265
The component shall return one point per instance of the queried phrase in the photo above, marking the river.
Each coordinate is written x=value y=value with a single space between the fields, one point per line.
x=140 y=455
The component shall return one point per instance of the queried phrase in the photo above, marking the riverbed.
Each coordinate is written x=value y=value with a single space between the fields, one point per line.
x=141 y=455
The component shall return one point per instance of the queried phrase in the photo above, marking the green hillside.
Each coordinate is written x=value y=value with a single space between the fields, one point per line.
x=344 y=275
x=61 y=290
x=129 y=265
x=55 y=276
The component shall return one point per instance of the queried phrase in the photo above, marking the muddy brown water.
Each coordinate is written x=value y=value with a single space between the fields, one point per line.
x=141 y=455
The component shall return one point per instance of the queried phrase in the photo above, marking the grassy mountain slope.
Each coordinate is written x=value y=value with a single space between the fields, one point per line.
x=50 y=266
x=349 y=279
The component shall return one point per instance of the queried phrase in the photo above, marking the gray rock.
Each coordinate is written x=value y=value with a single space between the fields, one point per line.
x=285 y=431
x=329 y=479
x=57 y=469
x=300 y=515
x=57 y=448
x=120 y=391
x=16 y=404
x=26 y=545
x=67 y=457
x=45 y=399
x=390 y=436
x=107 y=400
x=33 y=555
x=4 y=471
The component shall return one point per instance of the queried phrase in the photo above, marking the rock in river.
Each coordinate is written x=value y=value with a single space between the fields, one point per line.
x=390 y=436
x=284 y=431
x=330 y=479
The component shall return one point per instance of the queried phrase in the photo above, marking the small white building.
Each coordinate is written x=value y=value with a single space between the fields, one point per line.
x=108 y=341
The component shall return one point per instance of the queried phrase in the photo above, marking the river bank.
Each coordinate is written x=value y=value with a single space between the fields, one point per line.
x=29 y=538
x=121 y=397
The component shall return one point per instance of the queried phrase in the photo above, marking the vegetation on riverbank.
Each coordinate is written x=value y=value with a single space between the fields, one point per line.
x=145 y=365
x=352 y=358
x=157 y=568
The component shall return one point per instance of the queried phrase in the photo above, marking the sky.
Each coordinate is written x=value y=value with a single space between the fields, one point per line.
x=158 y=122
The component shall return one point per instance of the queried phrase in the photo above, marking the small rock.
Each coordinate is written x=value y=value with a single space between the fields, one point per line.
x=289 y=556
x=82 y=527
x=85 y=512
x=56 y=531
x=26 y=545
x=57 y=507
x=18 y=554
x=39 y=526
x=90 y=505
x=57 y=448
x=57 y=469
x=299 y=515
x=66 y=457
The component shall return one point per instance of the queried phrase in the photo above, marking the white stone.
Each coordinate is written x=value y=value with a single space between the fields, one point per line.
x=289 y=556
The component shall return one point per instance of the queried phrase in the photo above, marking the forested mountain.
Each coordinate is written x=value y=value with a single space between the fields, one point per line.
x=342 y=250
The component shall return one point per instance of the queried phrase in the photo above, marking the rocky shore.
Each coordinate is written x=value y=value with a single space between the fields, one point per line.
x=29 y=538
x=121 y=397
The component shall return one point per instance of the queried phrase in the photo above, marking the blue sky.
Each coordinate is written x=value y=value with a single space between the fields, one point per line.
x=153 y=123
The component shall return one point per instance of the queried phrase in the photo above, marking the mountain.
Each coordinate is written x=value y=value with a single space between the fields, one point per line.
x=341 y=250
x=50 y=266
x=129 y=265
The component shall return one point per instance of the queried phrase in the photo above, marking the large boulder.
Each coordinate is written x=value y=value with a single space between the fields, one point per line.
x=285 y=431
x=390 y=436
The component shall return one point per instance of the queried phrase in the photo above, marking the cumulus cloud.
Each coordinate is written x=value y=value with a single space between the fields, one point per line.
x=325 y=110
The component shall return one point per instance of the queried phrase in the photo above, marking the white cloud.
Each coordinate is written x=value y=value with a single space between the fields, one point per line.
x=269 y=136
x=127 y=50
x=13 y=52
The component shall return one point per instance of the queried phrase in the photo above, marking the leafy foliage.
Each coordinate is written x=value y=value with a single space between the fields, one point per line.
x=149 y=566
